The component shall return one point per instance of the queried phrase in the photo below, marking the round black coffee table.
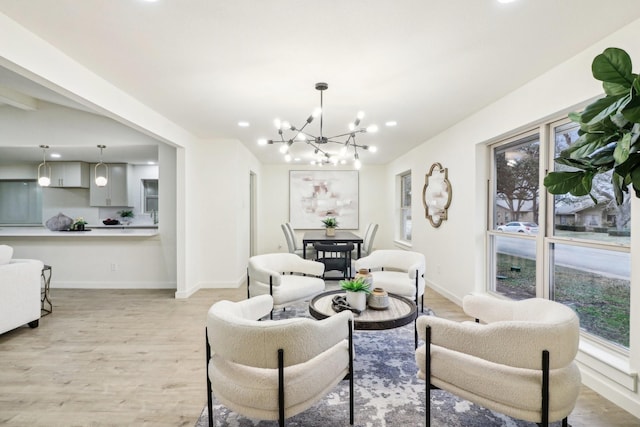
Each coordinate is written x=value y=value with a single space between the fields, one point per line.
x=401 y=311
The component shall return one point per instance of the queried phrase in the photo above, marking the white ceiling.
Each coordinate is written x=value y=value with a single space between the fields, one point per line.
x=206 y=64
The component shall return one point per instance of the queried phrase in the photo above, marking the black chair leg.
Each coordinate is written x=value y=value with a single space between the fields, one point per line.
x=281 y=387
x=351 y=375
x=209 y=391
x=427 y=376
x=545 y=388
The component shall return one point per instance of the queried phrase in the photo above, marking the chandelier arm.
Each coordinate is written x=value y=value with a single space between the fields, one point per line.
x=350 y=133
x=317 y=150
x=302 y=128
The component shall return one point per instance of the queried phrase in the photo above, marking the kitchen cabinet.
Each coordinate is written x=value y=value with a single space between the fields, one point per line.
x=115 y=193
x=69 y=174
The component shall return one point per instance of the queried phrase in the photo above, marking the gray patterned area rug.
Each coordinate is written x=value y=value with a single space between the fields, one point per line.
x=387 y=392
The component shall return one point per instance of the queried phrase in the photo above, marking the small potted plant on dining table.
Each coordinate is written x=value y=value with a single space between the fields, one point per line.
x=357 y=291
x=330 y=225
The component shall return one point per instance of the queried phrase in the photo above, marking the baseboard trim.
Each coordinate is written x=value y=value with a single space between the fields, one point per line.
x=113 y=285
x=444 y=292
x=622 y=398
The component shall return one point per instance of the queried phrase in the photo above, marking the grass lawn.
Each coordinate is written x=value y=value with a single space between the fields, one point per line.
x=602 y=303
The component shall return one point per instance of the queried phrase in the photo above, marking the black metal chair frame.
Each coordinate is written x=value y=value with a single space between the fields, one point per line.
x=422 y=298
x=281 y=379
x=340 y=262
x=270 y=289
x=544 y=389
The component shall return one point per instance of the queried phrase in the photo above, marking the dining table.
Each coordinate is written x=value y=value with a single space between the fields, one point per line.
x=320 y=236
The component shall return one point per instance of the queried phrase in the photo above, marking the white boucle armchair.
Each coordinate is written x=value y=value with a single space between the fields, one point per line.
x=396 y=271
x=285 y=276
x=274 y=369
x=519 y=361
x=19 y=290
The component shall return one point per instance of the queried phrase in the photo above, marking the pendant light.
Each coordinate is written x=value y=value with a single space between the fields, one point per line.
x=101 y=170
x=44 y=170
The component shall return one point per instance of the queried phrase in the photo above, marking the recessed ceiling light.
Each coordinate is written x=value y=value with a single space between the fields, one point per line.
x=151 y=163
x=391 y=123
x=243 y=124
x=55 y=155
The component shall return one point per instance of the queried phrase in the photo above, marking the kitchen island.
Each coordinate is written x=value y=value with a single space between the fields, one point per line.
x=103 y=258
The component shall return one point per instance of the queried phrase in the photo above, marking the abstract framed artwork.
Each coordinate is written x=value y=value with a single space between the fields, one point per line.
x=317 y=194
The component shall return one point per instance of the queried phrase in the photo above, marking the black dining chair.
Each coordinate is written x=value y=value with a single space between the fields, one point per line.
x=335 y=257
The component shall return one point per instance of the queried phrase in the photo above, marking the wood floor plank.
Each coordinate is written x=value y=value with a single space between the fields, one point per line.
x=136 y=357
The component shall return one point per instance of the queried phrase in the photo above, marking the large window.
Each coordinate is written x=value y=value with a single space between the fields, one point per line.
x=515 y=212
x=570 y=249
x=405 y=207
x=588 y=250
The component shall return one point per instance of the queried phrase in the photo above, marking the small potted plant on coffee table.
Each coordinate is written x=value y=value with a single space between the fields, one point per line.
x=330 y=224
x=357 y=291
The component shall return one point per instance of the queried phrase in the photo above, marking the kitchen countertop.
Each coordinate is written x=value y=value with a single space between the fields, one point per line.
x=113 y=231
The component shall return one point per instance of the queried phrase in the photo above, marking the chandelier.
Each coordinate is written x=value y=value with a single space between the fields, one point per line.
x=289 y=134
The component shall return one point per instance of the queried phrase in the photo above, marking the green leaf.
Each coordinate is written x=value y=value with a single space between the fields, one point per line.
x=618 y=188
x=587 y=144
x=604 y=158
x=619 y=120
x=633 y=162
x=614 y=89
x=621 y=153
x=631 y=111
x=636 y=84
x=613 y=66
x=635 y=180
x=576 y=183
x=601 y=108
x=575 y=117
x=574 y=163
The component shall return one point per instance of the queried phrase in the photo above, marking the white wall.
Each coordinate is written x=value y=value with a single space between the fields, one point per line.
x=455 y=251
x=274 y=205
x=217 y=219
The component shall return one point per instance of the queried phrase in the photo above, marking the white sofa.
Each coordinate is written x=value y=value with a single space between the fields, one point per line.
x=19 y=290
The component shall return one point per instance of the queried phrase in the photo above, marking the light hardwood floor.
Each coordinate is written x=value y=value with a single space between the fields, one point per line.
x=136 y=358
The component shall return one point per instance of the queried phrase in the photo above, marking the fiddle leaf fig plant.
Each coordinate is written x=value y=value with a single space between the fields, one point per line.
x=608 y=135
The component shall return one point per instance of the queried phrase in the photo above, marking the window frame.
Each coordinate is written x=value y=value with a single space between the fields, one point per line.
x=403 y=208
x=545 y=239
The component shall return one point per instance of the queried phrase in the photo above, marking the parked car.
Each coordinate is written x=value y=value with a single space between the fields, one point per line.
x=519 y=227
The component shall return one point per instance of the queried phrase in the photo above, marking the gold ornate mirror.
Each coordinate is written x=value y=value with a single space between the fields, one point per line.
x=436 y=194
